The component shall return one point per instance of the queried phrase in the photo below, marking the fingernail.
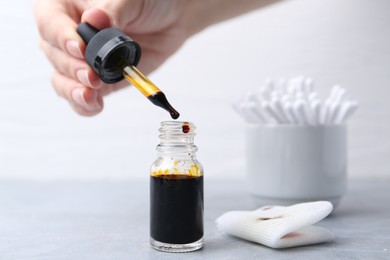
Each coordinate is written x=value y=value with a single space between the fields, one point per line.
x=95 y=83
x=77 y=95
x=74 y=49
x=82 y=76
x=78 y=98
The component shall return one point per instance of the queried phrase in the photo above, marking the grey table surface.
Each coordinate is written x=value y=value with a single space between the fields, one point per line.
x=110 y=220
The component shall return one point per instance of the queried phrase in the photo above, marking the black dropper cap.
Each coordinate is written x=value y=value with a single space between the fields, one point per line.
x=109 y=51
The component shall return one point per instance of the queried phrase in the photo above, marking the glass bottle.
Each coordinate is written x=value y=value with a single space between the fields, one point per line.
x=176 y=191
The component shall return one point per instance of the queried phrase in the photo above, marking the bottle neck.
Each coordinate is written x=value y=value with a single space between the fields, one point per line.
x=177 y=139
x=177 y=152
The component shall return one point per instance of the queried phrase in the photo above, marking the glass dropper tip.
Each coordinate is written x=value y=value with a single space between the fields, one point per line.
x=148 y=89
x=174 y=114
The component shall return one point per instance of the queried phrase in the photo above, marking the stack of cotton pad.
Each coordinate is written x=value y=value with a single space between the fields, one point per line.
x=279 y=227
x=295 y=102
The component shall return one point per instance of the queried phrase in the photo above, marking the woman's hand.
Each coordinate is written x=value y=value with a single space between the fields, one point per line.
x=154 y=24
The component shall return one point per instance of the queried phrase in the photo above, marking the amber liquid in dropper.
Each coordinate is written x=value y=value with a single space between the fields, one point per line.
x=148 y=89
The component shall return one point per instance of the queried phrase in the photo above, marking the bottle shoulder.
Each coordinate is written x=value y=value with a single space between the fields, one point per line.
x=170 y=165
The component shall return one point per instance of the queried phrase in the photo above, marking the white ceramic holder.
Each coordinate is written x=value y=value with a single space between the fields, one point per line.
x=288 y=164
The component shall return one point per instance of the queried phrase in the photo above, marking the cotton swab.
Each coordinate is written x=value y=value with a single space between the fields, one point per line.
x=333 y=92
x=346 y=110
x=278 y=109
x=312 y=96
x=267 y=108
x=341 y=94
x=288 y=110
x=353 y=106
x=316 y=109
x=294 y=101
x=308 y=113
x=299 y=111
x=325 y=112
x=333 y=112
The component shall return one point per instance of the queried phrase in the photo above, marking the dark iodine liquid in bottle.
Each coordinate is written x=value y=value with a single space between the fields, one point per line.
x=176 y=208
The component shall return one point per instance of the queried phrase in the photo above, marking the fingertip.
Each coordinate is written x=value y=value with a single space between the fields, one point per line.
x=88 y=99
x=94 y=79
x=100 y=102
x=74 y=48
x=82 y=111
x=89 y=78
x=97 y=18
x=90 y=95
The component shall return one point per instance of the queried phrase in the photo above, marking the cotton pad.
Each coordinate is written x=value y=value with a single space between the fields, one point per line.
x=279 y=227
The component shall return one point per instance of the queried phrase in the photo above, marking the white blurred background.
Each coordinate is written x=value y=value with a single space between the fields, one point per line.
x=344 y=42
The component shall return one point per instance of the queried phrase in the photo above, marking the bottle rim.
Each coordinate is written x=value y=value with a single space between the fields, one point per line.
x=175 y=128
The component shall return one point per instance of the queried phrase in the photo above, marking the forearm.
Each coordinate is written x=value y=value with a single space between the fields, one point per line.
x=200 y=14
